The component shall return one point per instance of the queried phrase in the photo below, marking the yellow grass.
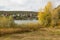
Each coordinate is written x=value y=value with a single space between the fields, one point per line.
x=20 y=28
x=41 y=34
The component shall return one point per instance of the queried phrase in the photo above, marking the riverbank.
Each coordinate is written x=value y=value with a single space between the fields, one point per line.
x=19 y=28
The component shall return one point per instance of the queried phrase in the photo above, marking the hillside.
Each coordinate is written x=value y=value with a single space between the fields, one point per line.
x=20 y=15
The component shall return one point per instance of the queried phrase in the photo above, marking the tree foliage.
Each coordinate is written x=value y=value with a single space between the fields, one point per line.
x=56 y=16
x=45 y=16
x=49 y=16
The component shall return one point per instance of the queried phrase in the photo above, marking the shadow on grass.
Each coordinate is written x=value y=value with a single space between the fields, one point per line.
x=17 y=32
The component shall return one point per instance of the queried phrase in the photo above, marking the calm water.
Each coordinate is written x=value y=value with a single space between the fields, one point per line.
x=25 y=21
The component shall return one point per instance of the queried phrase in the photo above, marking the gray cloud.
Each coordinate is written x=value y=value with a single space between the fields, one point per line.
x=27 y=5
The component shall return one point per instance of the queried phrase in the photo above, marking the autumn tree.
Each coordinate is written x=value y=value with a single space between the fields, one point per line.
x=45 y=16
x=55 y=16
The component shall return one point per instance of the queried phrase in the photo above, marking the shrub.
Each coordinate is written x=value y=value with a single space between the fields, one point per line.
x=6 y=21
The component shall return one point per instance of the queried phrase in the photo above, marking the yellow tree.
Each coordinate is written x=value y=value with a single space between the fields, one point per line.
x=41 y=17
x=48 y=7
x=45 y=16
x=56 y=16
x=48 y=11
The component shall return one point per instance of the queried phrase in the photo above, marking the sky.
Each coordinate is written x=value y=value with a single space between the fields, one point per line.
x=25 y=5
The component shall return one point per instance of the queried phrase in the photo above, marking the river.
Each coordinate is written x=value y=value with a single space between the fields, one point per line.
x=25 y=21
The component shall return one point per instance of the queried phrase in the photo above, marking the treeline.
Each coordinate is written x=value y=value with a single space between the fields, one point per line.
x=49 y=16
x=20 y=15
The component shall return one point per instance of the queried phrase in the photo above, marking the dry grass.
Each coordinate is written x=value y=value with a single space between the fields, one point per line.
x=7 y=26
x=6 y=21
x=41 y=34
x=19 y=28
x=30 y=31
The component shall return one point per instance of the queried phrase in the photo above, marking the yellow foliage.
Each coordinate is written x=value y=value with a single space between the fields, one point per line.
x=5 y=21
x=56 y=16
x=41 y=17
x=49 y=16
x=48 y=7
x=45 y=16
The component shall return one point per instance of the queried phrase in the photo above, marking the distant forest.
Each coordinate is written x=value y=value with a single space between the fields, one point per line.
x=20 y=15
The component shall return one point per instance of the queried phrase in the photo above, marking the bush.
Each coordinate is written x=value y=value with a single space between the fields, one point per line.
x=6 y=21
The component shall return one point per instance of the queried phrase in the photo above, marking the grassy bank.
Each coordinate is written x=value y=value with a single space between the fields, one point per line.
x=30 y=31
x=19 y=28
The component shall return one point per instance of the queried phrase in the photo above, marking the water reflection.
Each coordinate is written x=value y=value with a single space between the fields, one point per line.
x=25 y=21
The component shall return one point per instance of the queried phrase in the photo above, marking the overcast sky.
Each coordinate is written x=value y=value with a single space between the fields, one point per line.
x=25 y=5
